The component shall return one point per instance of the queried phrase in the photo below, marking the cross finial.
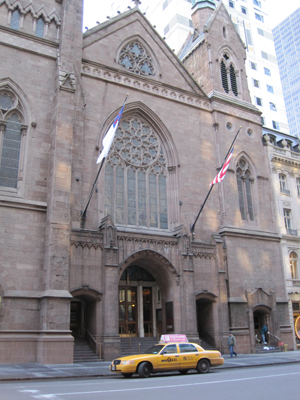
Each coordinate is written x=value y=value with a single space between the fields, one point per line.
x=137 y=3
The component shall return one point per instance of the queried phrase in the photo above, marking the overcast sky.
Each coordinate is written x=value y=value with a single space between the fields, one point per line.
x=97 y=10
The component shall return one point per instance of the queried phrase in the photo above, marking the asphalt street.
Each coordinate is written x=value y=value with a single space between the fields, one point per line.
x=276 y=382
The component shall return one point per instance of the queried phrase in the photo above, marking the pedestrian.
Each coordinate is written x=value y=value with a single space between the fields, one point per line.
x=231 y=344
x=263 y=332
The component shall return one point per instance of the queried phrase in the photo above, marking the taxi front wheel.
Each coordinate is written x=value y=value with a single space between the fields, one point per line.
x=144 y=370
x=203 y=366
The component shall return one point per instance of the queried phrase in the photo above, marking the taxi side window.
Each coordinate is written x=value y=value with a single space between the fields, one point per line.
x=187 y=348
x=171 y=348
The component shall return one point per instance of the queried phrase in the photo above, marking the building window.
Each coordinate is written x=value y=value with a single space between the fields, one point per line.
x=272 y=106
x=282 y=184
x=259 y=17
x=267 y=71
x=233 y=80
x=135 y=58
x=255 y=83
x=40 y=27
x=275 y=125
x=224 y=77
x=244 y=10
x=231 y=4
x=264 y=55
x=294 y=265
x=270 y=89
x=258 y=101
x=287 y=219
x=298 y=186
x=244 y=185
x=135 y=177
x=257 y=3
x=253 y=65
x=262 y=120
x=15 y=20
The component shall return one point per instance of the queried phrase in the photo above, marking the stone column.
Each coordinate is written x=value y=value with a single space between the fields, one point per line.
x=140 y=311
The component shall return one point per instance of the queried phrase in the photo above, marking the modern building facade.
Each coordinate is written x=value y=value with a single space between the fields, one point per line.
x=283 y=151
x=132 y=267
x=287 y=44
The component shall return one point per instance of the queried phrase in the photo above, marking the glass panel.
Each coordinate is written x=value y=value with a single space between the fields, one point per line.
x=153 y=200
x=9 y=167
x=131 y=295
x=131 y=196
x=171 y=348
x=249 y=198
x=122 y=295
x=122 y=312
x=241 y=195
x=15 y=20
x=6 y=102
x=108 y=198
x=131 y=312
x=163 y=212
x=120 y=195
x=40 y=27
x=142 y=198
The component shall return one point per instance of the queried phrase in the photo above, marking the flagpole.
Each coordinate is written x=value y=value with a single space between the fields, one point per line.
x=83 y=213
x=207 y=196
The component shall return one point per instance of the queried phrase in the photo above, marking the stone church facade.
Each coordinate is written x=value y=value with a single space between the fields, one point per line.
x=132 y=266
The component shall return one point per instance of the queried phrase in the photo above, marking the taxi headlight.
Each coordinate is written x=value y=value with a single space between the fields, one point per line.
x=128 y=362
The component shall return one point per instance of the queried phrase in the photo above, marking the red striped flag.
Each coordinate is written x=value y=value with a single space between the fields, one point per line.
x=223 y=170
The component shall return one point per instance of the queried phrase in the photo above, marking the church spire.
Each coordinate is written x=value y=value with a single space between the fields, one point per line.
x=201 y=11
x=203 y=4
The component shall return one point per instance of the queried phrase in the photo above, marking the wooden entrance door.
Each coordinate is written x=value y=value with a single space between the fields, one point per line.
x=128 y=311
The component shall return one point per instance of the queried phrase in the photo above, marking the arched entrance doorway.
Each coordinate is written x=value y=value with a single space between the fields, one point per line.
x=205 y=318
x=139 y=300
x=149 y=295
x=261 y=317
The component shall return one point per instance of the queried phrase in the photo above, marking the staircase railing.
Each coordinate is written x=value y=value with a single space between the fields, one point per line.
x=93 y=343
x=154 y=331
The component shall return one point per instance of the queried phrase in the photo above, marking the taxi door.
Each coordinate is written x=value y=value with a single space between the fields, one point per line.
x=168 y=359
x=188 y=356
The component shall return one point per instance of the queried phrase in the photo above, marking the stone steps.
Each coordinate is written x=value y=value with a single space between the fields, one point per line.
x=83 y=353
x=137 y=345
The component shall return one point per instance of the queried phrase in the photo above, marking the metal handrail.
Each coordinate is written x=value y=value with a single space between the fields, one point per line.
x=95 y=343
x=154 y=331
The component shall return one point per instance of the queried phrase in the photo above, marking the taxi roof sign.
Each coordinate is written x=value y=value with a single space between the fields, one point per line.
x=173 y=338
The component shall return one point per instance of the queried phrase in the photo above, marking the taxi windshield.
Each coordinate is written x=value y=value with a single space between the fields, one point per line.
x=155 y=349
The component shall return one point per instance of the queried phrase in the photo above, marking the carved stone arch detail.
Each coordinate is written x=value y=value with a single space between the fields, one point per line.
x=161 y=271
x=248 y=159
x=205 y=295
x=137 y=58
x=86 y=293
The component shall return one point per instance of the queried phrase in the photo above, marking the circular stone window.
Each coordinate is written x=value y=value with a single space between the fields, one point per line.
x=229 y=126
x=249 y=132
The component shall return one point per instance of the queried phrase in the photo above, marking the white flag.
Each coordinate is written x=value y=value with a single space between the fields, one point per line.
x=109 y=137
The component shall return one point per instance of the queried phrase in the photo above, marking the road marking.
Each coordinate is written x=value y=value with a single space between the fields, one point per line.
x=168 y=386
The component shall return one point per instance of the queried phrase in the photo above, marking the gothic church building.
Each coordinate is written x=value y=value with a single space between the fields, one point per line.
x=132 y=267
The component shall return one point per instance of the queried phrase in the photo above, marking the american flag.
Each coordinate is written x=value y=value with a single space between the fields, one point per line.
x=223 y=170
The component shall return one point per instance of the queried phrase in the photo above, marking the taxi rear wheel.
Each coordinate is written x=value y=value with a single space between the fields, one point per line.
x=127 y=375
x=144 y=370
x=183 y=371
x=203 y=366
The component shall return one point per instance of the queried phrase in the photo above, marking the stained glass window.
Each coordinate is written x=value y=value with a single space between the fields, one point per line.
x=137 y=159
x=135 y=58
x=40 y=27
x=15 y=20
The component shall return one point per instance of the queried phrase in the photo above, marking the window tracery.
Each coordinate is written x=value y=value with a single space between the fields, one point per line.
x=244 y=183
x=135 y=177
x=228 y=74
x=136 y=59
x=12 y=129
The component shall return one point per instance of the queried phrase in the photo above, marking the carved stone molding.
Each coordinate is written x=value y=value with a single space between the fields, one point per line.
x=87 y=245
x=102 y=73
x=67 y=81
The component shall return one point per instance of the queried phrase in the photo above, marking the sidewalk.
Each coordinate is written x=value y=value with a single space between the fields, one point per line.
x=13 y=372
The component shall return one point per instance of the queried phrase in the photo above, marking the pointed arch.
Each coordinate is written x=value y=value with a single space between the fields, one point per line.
x=245 y=181
x=228 y=61
x=14 y=120
x=143 y=149
x=136 y=56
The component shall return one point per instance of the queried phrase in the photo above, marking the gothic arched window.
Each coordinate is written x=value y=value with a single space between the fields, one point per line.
x=40 y=24
x=135 y=58
x=11 y=131
x=244 y=184
x=228 y=75
x=15 y=19
x=294 y=265
x=135 y=177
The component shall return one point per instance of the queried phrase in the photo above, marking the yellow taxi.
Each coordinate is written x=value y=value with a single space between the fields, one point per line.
x=168 y=356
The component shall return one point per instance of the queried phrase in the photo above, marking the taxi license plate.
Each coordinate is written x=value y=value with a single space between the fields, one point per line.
x=113 y=367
